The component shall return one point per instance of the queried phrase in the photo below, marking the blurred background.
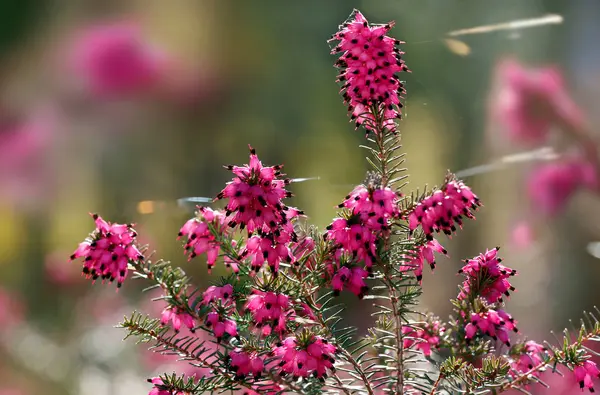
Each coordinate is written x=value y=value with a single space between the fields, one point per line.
x=122 y=107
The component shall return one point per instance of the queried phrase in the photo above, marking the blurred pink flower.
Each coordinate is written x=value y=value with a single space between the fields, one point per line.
x=522 y=235
x=530 y=101
x=115 y=59
x=551 y=185
x=23 y=149
x=60 y=270
x=11 y=310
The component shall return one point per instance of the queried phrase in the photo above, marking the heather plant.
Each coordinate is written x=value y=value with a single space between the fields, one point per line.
x=273 y=324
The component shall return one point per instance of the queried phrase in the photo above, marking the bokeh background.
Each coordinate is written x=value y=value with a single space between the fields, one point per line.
x=219 y=75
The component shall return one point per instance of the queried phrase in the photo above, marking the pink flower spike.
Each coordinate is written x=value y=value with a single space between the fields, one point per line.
x=108 y=251
x=177 y=317
x=585 y=374
x=530 y=101
x=115 y=59
x=368 y=65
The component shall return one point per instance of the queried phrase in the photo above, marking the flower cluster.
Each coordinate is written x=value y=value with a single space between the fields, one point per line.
x=220 y=301
x=315 y=356
x=244 y=363
x=425 y=253
x=423 y=336
x=585 y=373
x=527 y=356
x=270 y=311
x=486 y=277
x=443 y=209
x=159 y=388
x=200 y=234
x=255 y=203
x=494 y=323
x=352 y=279
x=376 y=207
x=177 y=316
x=108 y=251
x=368 y=67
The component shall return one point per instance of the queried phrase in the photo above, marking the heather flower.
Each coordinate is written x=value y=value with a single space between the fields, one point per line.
x=486 y=277
x=444 y=209
x=353 y=238
x=352 y=279
x=108 y=251
x=315 y=356
x=223 y=294
x=527 y=356
x=201 y=235
x=424 y=253
x=496 y=324
x=115 y=59
x=268 y=248
x=220 y=325
x=375 y=206
x=368 y=66
x=530 y=101
x=423 y=336
x=177 y=316
x=244 y=363
x=270 y=311
x=160 y=388
x=585 y=373
x=255 y=198
x=551 y=185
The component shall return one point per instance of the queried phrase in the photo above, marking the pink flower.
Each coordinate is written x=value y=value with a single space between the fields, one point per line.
x=375 y=206
x=115 y=59
x=268 y=248
x=270 y=311
x=244 y=363
x=425 y=336
x=221 y=325
x=223 y=294
x=486 y=277
x=531 y=101
x=352 y=279
x=11 y=310
x=585 y=373
x=424 y=253
x=353 y=238
x=255 y=198
x=551 y=185
x=201 y=234
x=496 y=324
x=368 y=67
x=108 y=251
x=528 y=356
x=177 y=316
x=160 y=389
x=443 y=209
x=301 y=359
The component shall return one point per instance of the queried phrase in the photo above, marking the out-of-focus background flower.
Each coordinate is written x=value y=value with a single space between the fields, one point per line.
x=122 y=107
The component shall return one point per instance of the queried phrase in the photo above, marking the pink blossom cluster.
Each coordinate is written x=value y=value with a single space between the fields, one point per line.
x=529 y=355
x=201 y=234
x=352 y=279
x=368 y=67
x=424 y=336
x=425 y=253
x=302 y=359
x=494 y=323
x=220 y=300
x=585 y=374
x=177 y=316
x=255 y=203
x=530 y=101
x=375 y=206
x=270 y=311
x=550 y=186
x=353 y=238
x=245 y=363
x=444 y=209
x=486 y=277
x=108 y=251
